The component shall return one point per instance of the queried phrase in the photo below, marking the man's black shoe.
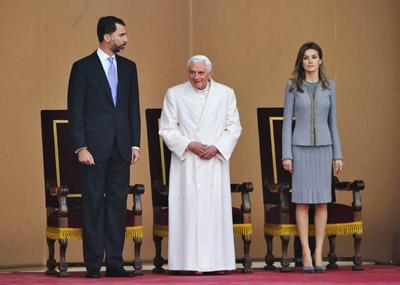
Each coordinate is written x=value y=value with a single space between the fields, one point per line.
x=120 y=272
x=93 y=274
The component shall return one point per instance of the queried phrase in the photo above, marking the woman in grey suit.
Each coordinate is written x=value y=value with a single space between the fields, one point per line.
x=308 y=151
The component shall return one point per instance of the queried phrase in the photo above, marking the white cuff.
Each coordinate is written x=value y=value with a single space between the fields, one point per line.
x=76 y=151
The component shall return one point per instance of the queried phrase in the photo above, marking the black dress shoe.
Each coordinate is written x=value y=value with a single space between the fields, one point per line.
x=120 y=272
x=93 y=274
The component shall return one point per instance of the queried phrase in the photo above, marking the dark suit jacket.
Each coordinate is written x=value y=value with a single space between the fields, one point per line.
x=95 y=122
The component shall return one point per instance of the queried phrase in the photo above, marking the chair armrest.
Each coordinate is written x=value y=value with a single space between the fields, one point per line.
x=235 y=188
x=279 y=187
x=356 y=186
x=283 y=189
x=245 y=188
x=61 y=193
x=137 y=190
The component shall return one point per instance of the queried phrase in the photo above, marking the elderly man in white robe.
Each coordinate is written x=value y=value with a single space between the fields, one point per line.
x=200 y=125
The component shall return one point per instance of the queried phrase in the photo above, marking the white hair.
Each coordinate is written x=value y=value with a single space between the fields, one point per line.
x=200 y=58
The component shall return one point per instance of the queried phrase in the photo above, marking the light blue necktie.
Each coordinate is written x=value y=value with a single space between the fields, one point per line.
x=112 y=79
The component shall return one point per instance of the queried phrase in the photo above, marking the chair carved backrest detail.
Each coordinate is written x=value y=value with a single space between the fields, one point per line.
x=60 y=167
x=160 y=158
x=270 y=133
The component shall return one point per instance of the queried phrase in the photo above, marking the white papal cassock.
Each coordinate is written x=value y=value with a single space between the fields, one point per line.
x=200 y=214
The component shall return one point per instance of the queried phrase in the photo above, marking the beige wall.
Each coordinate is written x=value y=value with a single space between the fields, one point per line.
x=42 y=40
x=252 y=44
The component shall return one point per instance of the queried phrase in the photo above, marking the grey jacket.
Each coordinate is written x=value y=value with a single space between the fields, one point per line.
x=315 y=126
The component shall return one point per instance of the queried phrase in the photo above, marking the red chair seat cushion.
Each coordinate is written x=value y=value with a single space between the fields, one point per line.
x=237 y=216
x=75 y=219
x=337 y=213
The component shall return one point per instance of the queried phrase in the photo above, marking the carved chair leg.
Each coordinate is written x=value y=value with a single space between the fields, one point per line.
x=63 y=266
x=137 y=264
x=298 y=256
x=158 y=260
x=269 y=257
x=357 y=259
x=51 y=262
x=246 y=249
x=332 y=257
x=285 y=258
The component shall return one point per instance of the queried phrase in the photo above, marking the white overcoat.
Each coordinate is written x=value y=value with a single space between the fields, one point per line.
x=200 y=213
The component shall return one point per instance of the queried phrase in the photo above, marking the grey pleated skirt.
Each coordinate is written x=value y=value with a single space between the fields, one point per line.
x=312 y=174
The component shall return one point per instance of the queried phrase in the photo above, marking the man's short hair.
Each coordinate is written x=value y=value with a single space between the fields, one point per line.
x=200 y=58
x=106 y=25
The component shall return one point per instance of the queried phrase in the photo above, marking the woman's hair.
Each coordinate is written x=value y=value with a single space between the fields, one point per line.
x=299 y=75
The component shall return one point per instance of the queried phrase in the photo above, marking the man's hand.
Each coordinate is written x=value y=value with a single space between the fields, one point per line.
x=135 y=155
x=197 y=148
x=288 y=165
x=85 y=157
x=210 y=152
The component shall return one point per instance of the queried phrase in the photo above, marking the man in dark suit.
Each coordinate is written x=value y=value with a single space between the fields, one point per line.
x=103 y=105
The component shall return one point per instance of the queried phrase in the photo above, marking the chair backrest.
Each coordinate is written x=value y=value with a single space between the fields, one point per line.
x=61 y=167
x=270 y=141
x=270 y=122
x=159 y=157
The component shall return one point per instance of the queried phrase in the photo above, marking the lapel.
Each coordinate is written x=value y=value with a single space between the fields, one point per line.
x=191 y=100
x=101 y=76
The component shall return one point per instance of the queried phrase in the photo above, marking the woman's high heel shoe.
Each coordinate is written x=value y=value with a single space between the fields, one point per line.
x=319 y=269
x=308 y=269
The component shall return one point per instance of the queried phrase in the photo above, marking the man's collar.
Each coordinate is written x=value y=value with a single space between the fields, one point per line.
x=102 y=55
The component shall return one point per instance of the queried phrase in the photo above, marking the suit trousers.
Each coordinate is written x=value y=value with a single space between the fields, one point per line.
x=105 y=187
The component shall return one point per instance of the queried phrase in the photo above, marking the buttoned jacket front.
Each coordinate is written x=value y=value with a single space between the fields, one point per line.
x=199 y=239
x=315 y=119
x=94 y=120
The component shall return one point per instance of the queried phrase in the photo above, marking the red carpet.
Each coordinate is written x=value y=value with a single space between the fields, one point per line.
x=370 y=275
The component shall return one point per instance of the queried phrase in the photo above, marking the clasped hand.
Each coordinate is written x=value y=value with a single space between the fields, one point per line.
x=202 y=150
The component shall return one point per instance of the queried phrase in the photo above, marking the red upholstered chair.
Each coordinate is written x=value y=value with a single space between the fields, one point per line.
x=279 y=212
x=63 y=197
x=160 y=158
